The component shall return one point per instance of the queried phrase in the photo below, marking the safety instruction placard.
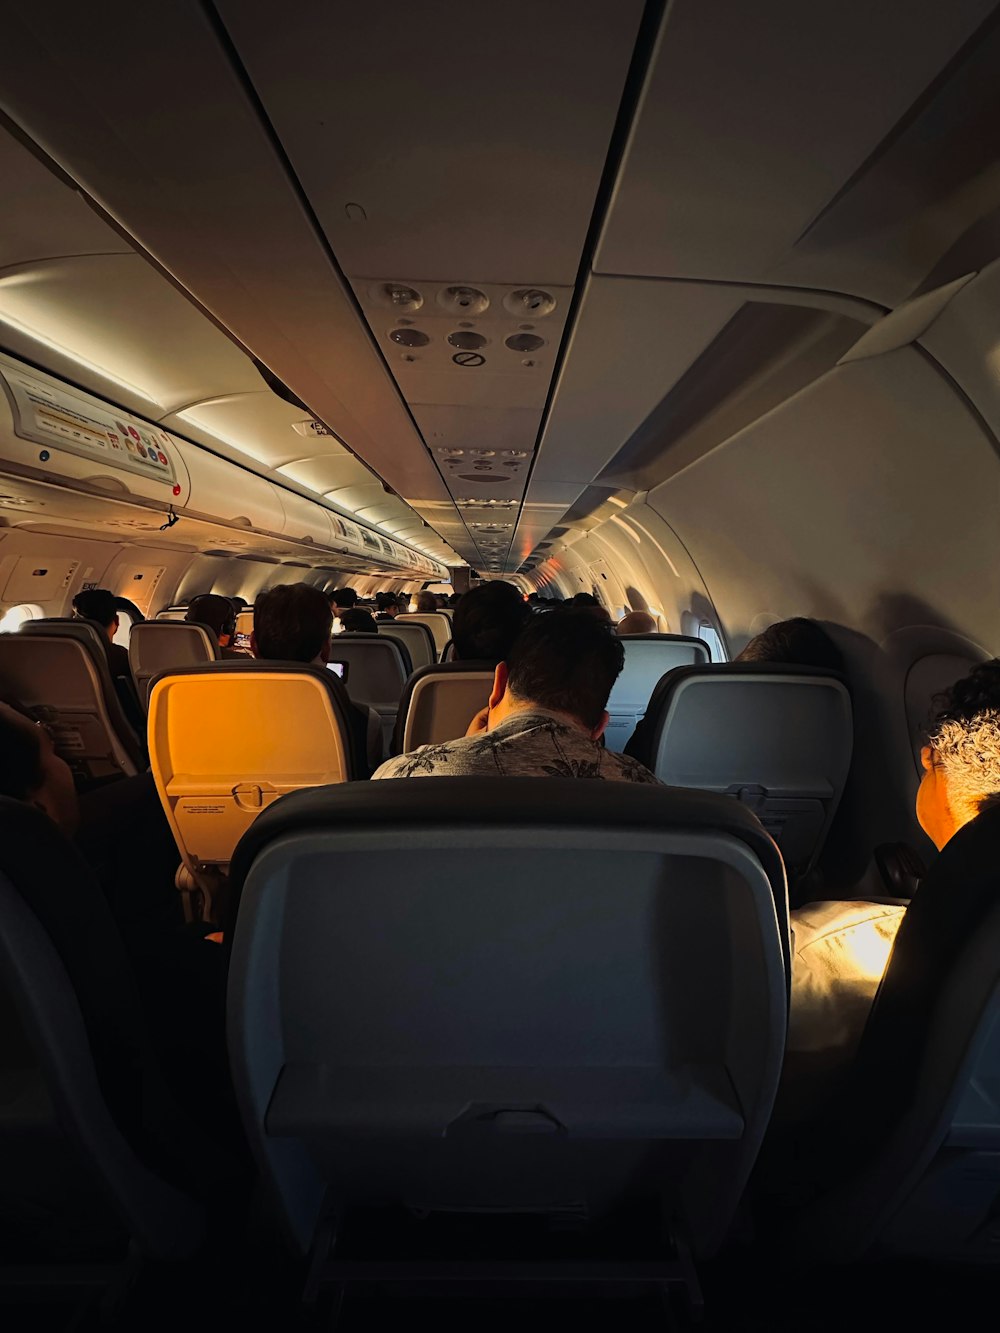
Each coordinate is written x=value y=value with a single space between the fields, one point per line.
x=52 y=415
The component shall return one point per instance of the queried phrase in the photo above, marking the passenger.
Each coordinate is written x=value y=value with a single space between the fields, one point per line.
x=219 y=614
x=98 y=604
x=636 y=622
x=487 y=621
x=546 y=714
x=293 y=622
x=796 y=642
x=358 y=621
x=124 y=844
x=342 y=599
x=425 y=601
x=388 y=604
x=842 y=948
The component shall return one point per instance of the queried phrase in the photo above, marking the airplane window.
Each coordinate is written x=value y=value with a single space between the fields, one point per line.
x=15 y=617
x=708 y=634
x=124 y=629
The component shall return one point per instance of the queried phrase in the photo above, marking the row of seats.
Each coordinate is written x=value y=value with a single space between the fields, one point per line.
x=780 y=743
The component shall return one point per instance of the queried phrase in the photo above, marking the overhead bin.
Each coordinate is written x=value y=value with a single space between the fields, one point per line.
x=63 y=433
x=56 y=431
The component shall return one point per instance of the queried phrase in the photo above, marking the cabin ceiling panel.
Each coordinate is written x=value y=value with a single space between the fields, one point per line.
x=482 y=135
x=755 y=116
x=117 y=314
x=204 y=191
x=30 y=233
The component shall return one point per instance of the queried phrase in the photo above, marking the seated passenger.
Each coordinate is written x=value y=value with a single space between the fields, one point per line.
x=636 y=622
x=358 y=621
x=424 y=601
x=842 y=948
x=487 y=621
x=389 y=606
x=98 y=604
x=293 y=622
x=546 y=714
x=342 y=599
x=219 y=614
x=796 y=642
x=124 y=846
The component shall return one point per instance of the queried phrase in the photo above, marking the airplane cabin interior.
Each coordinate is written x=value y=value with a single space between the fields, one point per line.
x=677 y=307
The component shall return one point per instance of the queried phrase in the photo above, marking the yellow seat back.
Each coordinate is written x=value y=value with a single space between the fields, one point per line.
x=224 y=744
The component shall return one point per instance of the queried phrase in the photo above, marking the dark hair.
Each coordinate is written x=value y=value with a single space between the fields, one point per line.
x=218 y=613
x=291 y=623
x=358 y=621
x=345 y=597
x=567 y=662
x=426 y=601
x=487 y=621
x=96 y=604
x=795 y=642
x=584 y=599
x=384 y=599
x=976 y=693
x=20 y=760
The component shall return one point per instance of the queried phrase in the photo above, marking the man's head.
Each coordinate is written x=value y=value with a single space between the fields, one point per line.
x=218 y=613
x=342 y=599
x=962 y=756
x=564 y=663
x=425 y=601
x=636 y=622
x=292 y=623
x=358 y=621
x=388 y=603
x=796 y=642
x=487 y=621
x=31 y=771
x=97 y=604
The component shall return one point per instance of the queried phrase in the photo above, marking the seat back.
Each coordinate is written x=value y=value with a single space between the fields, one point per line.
x=59 y=670
x=439 y=702
x=780 y=740
x=417 y=639
x=528 y=995
x=172 y=613
x=436 y=621
x=378 y=667
x=913 y=1167
x=227 y=740
x=59 y=1138
x=156 y=646
x=647 y=657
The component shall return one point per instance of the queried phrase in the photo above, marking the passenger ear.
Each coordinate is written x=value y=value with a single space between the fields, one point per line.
x=599 y=730
x=927 y=757
x=499 y=684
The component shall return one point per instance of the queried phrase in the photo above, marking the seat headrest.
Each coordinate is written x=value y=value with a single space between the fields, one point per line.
x=452 y=803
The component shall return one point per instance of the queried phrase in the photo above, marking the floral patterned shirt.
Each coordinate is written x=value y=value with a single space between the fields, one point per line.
x=532 y=744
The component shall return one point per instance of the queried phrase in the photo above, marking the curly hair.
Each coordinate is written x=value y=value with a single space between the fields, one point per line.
x=965 y=738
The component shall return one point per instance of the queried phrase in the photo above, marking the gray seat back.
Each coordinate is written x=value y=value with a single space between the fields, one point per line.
x=172 y=613
x=436 y=621
x=378 y=667
x=156 y=646
x=647 y=657
x=912 y=1161
x=59 y=670
x=417 y=640
x=778 y=739
x=528 y=995
x=439 y=703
